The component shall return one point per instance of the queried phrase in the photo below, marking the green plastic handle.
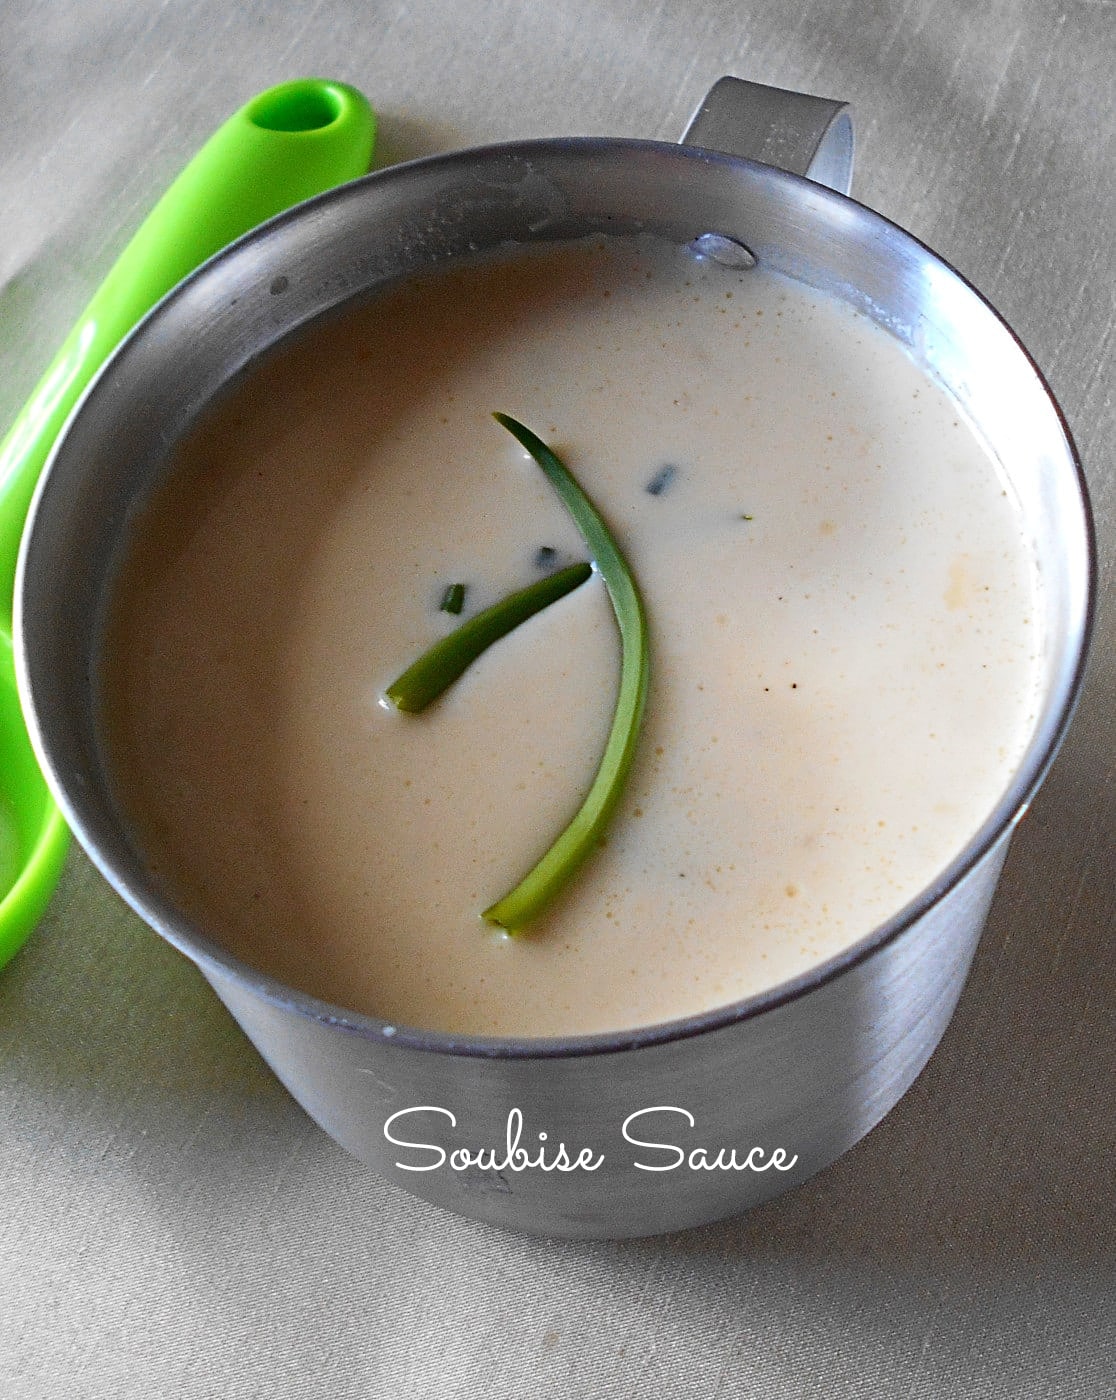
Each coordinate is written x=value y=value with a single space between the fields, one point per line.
x=288 y=143
x=33 y=835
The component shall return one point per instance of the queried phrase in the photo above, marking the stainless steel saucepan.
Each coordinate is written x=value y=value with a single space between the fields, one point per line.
x=809 y=1066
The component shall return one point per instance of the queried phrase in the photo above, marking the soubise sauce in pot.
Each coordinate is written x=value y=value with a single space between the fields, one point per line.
x=845 y=642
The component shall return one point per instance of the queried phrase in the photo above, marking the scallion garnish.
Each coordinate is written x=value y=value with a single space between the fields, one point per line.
x=453 y=599
x=661 y=480
x=583 y=834
x=437 y=668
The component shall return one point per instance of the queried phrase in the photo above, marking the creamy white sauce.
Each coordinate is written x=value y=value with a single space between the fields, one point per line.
x=843 y=642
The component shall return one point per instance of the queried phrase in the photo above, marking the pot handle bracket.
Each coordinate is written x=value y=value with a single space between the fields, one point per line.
x=810 y=136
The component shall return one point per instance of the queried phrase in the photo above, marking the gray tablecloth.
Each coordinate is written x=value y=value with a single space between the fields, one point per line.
x=170 y=1223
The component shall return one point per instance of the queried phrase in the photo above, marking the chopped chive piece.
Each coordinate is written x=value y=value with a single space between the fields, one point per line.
x=747 y=517
x=545 y=556
x=453 y=599
x=661 y=480
x=584 y=832
x=437 y=669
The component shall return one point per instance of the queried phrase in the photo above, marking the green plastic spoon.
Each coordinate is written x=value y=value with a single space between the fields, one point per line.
x=288 y=143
